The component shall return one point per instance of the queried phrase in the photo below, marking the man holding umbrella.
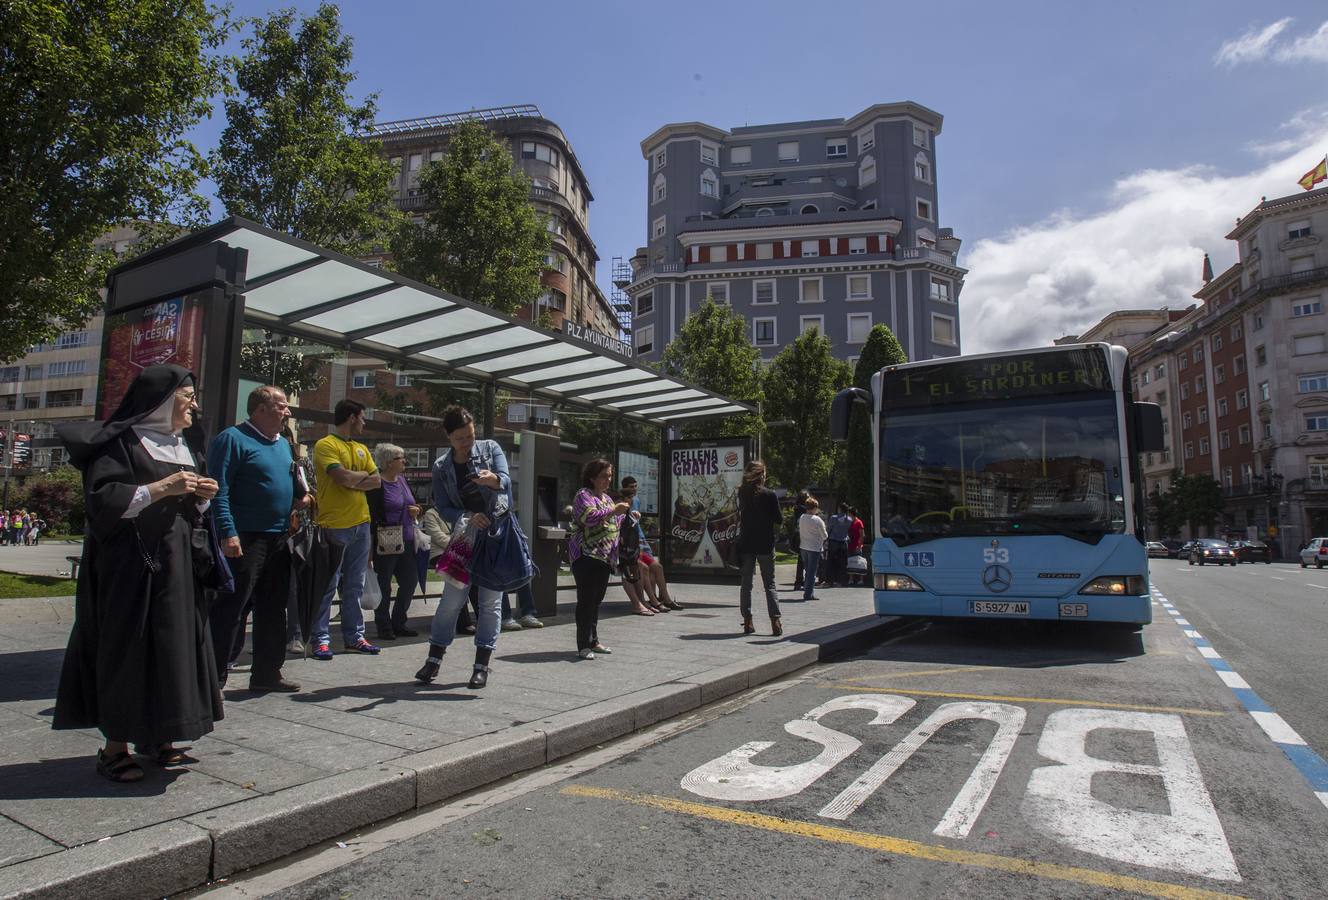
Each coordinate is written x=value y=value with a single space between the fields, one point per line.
x=256 y=481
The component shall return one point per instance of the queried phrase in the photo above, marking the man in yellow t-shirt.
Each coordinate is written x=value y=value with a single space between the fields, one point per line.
x=346 y=471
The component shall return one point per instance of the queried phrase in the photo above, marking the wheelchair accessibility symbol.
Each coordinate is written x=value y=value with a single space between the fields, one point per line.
x=920 y=559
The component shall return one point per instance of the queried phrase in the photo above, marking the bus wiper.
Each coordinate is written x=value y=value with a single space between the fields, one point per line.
x=1086 y=535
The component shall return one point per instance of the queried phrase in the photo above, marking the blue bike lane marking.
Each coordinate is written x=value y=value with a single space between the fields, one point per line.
x=1310 y=764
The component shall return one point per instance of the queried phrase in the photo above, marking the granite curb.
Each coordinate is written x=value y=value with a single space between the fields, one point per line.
x=188 y=852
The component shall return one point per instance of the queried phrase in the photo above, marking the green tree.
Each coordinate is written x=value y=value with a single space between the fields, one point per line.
x=712 y=351
x=882 y=349
x=292 y=156
x=55 y=496
x=799 y=386
x=480 y=238
x=1197 y=500
x=601 y=435
x=99 y=98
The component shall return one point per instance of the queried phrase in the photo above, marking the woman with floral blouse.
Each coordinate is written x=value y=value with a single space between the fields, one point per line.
x=593 y=549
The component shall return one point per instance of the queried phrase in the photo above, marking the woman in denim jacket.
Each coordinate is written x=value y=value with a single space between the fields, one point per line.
x=470 y=480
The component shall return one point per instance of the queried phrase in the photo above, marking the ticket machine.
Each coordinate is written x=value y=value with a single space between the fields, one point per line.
x=537 y=510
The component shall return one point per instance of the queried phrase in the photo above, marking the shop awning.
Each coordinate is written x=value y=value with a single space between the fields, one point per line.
x=294 y=287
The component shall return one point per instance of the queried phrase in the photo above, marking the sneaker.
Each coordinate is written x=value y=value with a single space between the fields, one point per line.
x=585 y=654
x=362 y=646
x=295 y=647
x=322 y=650
x=600 y=648
x=530 y=622
x=278 y=685
x=404 y=631
x=511 y=625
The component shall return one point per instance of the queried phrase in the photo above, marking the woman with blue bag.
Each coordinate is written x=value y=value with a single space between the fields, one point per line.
x=473 y=494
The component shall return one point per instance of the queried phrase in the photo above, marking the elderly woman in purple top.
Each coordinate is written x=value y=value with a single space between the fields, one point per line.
x=393 y=504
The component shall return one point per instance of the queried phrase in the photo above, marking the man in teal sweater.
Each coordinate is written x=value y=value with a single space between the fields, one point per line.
x=253 y=467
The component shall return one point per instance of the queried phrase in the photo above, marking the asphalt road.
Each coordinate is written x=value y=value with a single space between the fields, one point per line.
x=993 y=759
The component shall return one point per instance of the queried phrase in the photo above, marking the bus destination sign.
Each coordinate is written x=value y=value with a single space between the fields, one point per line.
x=1041 y=374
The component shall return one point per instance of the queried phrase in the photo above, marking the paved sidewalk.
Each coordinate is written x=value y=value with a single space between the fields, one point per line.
x=47 y=558
x=362 y=742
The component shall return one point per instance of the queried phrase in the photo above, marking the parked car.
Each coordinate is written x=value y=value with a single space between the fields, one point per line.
x=1316 y=551
x=1173 y=547
x=1253 y=551
x=1212 y=550
x=1157 y=550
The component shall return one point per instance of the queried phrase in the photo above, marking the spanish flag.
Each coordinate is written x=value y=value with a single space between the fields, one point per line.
x=1315 y=175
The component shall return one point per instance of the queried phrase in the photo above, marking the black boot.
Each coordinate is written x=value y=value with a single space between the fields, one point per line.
x=480 y=676
x=429 y=671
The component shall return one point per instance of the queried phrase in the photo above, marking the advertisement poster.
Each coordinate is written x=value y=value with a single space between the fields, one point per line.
x=167 y=332
x=22 y=454
x=644 y=468
x=702 y=479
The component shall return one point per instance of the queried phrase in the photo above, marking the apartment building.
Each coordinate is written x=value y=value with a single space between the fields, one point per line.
x=831 y=224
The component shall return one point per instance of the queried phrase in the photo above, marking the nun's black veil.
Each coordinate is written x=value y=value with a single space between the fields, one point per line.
x=84 y=440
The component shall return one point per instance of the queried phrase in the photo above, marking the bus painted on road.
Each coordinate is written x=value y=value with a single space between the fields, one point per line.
x=1009 y=485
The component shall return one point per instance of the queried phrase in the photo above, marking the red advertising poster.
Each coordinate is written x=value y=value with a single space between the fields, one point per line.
x=167 y=332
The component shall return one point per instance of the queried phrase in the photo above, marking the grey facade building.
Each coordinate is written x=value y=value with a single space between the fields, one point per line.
x=832 y=224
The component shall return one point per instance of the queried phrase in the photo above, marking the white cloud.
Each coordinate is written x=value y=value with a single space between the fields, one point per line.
x=1310 y=48
x=1255 y=44
x=1144 y=250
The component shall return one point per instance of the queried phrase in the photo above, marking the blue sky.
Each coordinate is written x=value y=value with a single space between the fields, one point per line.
x=1090 y=153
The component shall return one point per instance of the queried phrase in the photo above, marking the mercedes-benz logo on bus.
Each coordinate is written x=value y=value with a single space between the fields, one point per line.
x=997 y=579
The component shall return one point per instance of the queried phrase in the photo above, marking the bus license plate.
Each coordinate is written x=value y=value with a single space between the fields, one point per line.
x=998 y=607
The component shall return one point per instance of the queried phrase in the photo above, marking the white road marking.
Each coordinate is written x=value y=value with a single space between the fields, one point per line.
x=1323 y=796
x=1277 y=728
x=1276 y=578
x=1208 y=653
x=1060 y=800
x=1191 y=633
x=1233 y=680
x=1181 y=621
x=1319 y=586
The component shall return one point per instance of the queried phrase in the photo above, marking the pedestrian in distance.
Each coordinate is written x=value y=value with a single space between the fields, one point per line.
x=799 y=507
x=472 y=491
x=346 y=473
x=653 y=583
x=593 y=548
x=811 y=543
x=140 y=665
x=836 y=547
x=759 y=520
x=392 y=514
x=256 y=493
x=856 y=532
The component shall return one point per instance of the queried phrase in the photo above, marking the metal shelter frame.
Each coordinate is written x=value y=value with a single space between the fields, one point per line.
x=293 y=287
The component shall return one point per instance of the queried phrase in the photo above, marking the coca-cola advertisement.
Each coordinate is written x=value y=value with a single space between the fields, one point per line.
x=700 y=509
x=167 y=332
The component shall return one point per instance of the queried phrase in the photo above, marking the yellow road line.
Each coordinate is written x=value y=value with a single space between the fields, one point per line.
x=898 y=846
x=1002 y=698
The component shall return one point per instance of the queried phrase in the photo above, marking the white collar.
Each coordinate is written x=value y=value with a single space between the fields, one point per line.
x=164 y=446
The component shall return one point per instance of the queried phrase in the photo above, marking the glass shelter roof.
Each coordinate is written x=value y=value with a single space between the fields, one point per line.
x=295 y=287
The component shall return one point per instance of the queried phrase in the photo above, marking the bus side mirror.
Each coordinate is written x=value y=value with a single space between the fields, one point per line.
x=1148 y=437
x=840 y=409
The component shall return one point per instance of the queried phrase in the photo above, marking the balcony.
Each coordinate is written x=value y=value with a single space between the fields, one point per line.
x=660 y=269
x=924 y=254
x=1279 y=284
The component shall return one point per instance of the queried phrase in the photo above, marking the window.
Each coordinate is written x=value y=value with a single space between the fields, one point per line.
x=857 y=245
x=435 y=156
x=1224 y=441
x=661 y=188
x=719 y=292
x=658 y=229
x=1161 y=371
x=1222 y=407
x=1258 y=321
x=709 y=154
x=859 y=326
x=924 y=209
x=11 y=373
x=416 y=159
x=866 y=172
x=940 y=291
x=1236 y=331
x=919 y=136
x=64 y=398
x=811 y=248
x=866 y=140
x=763 y=332
x=788 y=151
x=809 y=210
x=807 y=323
x=1308 y=308
x=1246 y=472
x=765 y=251
x=1267 y=431
x=71 y=339
x=1238 y=365
x=870 y=204
x=809 y=290
x=1166 y=454
x=1161 y=398
x=405 y=379
x=836 y=148
x=645 y=339
x=1242 y=399
x=709 y=187
x=1186 y=421
x=719 y=253
x=1203 y=414
x=1309 y=383
x=1307 y=343
x=1312 y=422
x=1184 y=390
x=33 y=373
x=1184 y=363
x=740 y=156
x=1189 y=449
x=1260 y=356
x=1301 y=264
x=1264 y=394
x=1318 y=474
x=1203 y=446
x=31 y=401
x=1217 y=342
x=66 y=368
x=921 y=168
x=1147 y=377
x=362 y=378
x=395 y=163
x=943 y=329
x=541 y=152
x=859 y=287
x=763 y=292
x=661 y=158
x=645 y=304
x=9 y=402
x=1219 y=374
x=1298 y=229
x=1200 y=384
x=1198 y=352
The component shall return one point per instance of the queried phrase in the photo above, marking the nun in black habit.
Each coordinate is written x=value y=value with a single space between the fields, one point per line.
x=139 y=665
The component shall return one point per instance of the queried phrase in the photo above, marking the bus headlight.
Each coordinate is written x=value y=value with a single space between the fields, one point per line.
x=891 y=582
x=1116 y=586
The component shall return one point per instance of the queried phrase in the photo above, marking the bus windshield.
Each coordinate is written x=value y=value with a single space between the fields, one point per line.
x=1046 y=466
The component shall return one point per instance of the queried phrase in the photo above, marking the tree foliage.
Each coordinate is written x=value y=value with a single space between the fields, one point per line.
x=882 y=349
x=55 y=496
x=480 y=238
x=99 y=98
x=712 y=351
x=292 y=156
x=799 y=386
x=1196 y=499
x=602 y=435
x=292 y=364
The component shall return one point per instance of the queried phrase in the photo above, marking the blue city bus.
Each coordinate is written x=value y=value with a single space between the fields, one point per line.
x=1009 y=485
